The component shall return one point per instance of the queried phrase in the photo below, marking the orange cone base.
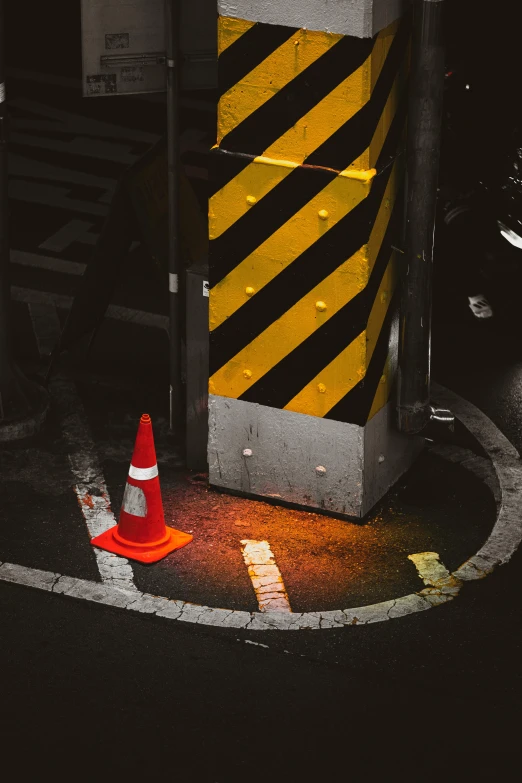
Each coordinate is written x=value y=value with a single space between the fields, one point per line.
x=144 y=553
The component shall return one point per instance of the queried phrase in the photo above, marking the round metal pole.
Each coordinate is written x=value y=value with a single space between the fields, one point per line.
x=5 y=370
x=172 y=27
x=23 y=404
x=424 y=128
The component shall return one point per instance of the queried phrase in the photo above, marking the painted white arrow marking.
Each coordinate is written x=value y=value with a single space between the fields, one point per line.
x=73 y=231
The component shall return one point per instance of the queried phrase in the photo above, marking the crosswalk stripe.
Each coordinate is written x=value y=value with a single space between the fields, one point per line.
x=70 y=232
x=38 y=261
x=53 y=196
x=115 y=312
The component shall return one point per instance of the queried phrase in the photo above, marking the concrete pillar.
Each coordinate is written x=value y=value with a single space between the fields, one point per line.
x=307 y=202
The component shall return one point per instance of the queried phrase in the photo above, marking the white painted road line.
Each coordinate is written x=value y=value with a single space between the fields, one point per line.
x=52 y=264
x=265 y=576
x=29 y=296
x=112 y=594
x=138 y=317
x=122 y=598
x=62 y=302
x=90 y=487
x=498 y=549
x=53 y=196
x=30 y=168
x=506 y=535
x=481 y=467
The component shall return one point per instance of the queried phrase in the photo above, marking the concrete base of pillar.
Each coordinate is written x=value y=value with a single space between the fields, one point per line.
x=359 y=18
x=305 y=460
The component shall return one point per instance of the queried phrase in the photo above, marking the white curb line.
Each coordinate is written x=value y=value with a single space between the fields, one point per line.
x=441 y=586
x=507 y=531
x=90 y=488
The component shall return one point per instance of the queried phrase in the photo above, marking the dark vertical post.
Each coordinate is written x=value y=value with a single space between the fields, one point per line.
x=23 y=404
x=5 y=370
x=172 y=27
x=424 y=125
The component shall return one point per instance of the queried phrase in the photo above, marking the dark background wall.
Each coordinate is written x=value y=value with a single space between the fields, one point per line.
x=44 y=35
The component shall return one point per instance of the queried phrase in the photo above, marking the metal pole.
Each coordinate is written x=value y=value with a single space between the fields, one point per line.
x=424 y=127
x=5 y=370
x=23 y=404
x=172 y=27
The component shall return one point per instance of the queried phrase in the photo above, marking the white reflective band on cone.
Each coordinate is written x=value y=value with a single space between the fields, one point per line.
x=134 y=501
x=142 y=474
x=173 y=283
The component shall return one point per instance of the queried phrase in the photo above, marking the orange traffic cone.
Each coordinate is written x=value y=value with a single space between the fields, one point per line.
x=141 y=533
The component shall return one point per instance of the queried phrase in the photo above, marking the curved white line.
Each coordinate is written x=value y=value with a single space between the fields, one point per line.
x=506 y=535
x=502 y=543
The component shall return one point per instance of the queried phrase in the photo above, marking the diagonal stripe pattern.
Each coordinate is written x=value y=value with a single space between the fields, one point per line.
x=253 y=130
x=336 y=245
x=303 y=215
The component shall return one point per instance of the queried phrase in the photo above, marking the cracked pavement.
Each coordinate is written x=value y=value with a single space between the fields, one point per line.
x=295 y=570
x=116 y=667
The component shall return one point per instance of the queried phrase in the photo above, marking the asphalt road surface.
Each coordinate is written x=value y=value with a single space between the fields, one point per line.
x=90 y=690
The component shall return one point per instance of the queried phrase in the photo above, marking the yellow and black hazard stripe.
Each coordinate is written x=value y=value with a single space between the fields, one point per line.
x=274 y=110
x=306 y=271
x=321 y=109
x=306 y=226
